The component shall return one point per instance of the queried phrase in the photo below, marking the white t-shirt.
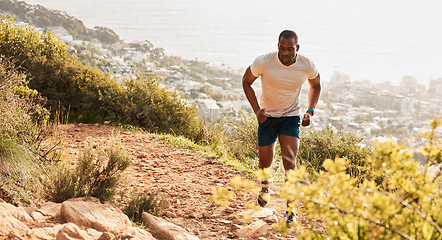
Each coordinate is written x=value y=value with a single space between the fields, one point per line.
x=281 y=85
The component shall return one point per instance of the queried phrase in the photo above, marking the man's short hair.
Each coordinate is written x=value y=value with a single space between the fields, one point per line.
x=287 y=34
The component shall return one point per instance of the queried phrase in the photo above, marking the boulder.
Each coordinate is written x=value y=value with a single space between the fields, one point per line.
x=85 y=199
x=47 y=211
x=254 y=230
x=162 y=229
x=93 y=214
x=261 y=214
x=266 y=214
x=45 y=233
x=71 y=231
x=16 y=235
x=30 y=209
x=94 y=233
x=9 y=224
x=17 y=212
x=50 y=209
x=9 y=220
x=134 y=233
x=39 y=217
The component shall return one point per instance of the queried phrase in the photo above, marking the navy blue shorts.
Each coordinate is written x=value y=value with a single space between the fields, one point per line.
x=269 y=131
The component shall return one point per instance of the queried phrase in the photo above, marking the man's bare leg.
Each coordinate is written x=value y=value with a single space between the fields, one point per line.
x=289 y=152
x=266 y=154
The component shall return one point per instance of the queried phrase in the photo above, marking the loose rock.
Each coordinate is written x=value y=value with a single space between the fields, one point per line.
x=255 y=229
x=102 y=217
x=161 y=229
x=71 y=231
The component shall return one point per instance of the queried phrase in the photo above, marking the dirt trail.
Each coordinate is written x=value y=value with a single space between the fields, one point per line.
x=185 y=177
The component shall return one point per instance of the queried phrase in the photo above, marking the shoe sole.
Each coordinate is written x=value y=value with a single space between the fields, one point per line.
x=261 y=201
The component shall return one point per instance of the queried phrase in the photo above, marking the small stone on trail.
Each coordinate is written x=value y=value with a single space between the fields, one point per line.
x=225 y=221
x=229 y=210
x=233 y=205
x=255 y=230
x=170 y=214
x=142 y=155
x=270 y=219
x=235 y=227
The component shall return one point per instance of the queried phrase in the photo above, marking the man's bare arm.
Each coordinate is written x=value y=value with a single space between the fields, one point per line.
x=314 y=92
x=313 y=98
x=247 y=81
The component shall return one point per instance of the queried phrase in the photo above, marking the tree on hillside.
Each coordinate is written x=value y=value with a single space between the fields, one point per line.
x=45 y=18
x=106 y=35
x=90 y=95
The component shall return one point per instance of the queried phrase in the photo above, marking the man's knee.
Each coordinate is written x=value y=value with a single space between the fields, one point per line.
x=289 y=163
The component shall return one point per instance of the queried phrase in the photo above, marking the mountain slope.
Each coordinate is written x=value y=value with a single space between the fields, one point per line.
x=187 y=179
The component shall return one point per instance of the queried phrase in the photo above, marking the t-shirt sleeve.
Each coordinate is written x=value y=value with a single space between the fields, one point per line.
x=313 y=71
x=257 y=66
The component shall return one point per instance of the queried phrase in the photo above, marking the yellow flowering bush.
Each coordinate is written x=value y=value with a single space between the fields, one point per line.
x=397 y=199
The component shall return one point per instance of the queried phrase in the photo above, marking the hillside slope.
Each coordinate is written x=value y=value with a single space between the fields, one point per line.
x=184 y=177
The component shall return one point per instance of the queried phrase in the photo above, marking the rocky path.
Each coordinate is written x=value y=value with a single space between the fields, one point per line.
x=185 y=178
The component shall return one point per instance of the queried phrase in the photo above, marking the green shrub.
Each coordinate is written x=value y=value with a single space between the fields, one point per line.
x=22 y=123
x=405 y=205
x=217 y=137
x=43 y=18
x=97 y=174
x=140 y=203
x=61 y=183
x=98 y=177
x=22 y=115
x=61 y=78
x=315 y=147
x=90 y=95
x=318 y=145
x=243 y=140
x=19 y=170
x=147 y=105
x=335 y=205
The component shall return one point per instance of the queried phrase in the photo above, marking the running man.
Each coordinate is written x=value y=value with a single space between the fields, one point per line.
x=282 y=75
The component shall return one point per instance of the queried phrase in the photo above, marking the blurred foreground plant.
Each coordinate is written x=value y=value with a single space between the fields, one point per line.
x=397 y=197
